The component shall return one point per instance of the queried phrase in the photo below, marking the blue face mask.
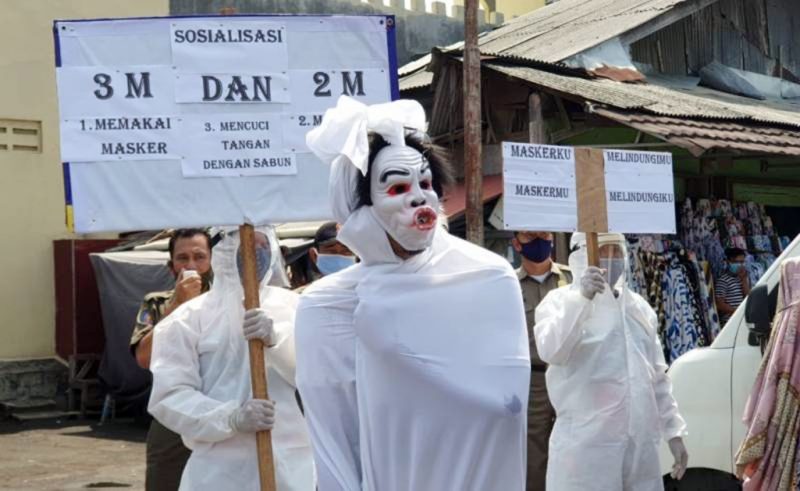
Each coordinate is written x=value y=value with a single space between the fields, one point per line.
x=263 y=262
x=332 y=263
x=735 y=267
x=537 y=250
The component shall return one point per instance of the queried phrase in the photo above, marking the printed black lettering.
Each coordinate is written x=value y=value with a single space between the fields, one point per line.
x=207 y=81
x=237 y=88
x=104 y=81
x=262 y=86
x=140 y=89
x=322 y=80
x=354 y=85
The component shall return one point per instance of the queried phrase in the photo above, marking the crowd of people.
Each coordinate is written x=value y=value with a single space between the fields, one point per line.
x=415 y=360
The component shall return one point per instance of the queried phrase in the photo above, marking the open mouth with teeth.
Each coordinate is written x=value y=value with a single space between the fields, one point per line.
x=424 y=219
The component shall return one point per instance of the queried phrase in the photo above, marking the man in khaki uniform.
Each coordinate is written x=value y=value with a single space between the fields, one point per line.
x=538 y=275
x=190 y=262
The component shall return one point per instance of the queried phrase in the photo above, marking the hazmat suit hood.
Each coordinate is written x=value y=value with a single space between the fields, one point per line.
x=227 y=293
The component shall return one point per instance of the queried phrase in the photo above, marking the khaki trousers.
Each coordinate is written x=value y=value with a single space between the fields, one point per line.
x=541 y=417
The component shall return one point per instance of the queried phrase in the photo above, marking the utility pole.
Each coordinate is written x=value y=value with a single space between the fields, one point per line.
x=473 y=173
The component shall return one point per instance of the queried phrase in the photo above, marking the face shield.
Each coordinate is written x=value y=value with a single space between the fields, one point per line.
x=227 y=261
x=612 y=257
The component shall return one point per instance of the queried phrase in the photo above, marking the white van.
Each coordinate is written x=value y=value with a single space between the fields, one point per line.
x=712 y=385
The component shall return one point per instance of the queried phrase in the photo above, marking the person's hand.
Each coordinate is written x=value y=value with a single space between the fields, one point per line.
x=189 y=286
x=258 y=325
x=253 y=416
x=742 y=273
x=681 y=457
x=592 y=282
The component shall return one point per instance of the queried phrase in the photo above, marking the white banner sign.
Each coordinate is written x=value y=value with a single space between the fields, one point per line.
x=640 y=192
x=539 y=188
x=177 y=122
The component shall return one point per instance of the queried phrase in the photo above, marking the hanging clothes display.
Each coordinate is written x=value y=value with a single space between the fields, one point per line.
x=676 y=286
x=677 y=276
x=768 y=458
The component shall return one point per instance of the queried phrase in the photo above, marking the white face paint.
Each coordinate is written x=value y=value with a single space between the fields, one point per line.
x=403 y=198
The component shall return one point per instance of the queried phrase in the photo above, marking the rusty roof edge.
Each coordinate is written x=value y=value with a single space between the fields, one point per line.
x=753 y=119
x=557 y=68
x=689 y=143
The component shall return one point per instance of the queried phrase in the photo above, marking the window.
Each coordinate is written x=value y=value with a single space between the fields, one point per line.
x=20 y=136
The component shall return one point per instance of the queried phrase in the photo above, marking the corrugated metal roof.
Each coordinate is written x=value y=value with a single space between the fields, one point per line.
x=563 y=29
x=416 y=80
x=701 y=136
x=673 y=96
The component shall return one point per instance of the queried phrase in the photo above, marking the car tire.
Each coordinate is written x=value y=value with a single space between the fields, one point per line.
x=703 y=480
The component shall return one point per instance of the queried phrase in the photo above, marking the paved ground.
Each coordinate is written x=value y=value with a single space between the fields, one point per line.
x=70 y=455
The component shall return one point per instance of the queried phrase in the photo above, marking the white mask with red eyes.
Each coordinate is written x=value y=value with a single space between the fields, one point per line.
x=403 y=199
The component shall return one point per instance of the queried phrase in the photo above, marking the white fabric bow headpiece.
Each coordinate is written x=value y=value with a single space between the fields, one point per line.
x=341 y=141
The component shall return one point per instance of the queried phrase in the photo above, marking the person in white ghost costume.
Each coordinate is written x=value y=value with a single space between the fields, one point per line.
x=413 y=364
x=607 y=379
x=201 y=378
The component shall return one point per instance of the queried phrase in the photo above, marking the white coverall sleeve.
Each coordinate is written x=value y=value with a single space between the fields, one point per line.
x=326 y=378
x=559 y=319
x=177 y=400
x=672 y=424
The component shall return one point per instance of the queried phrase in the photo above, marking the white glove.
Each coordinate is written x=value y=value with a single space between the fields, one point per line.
x=592 y=282
x=258 y=325
x=255 y=415
x=681 y=457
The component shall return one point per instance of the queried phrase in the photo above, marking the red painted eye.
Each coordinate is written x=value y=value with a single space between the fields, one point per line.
x=425 y=185
x=398 y=189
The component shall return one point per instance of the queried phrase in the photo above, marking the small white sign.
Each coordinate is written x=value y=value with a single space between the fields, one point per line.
x=234 y=145
x=232 y=88
x=640 y=192
x=114 y=90
x=227 y=47
x=295 y=128
x=539 y=188
x=105 y=138
x=317 y=90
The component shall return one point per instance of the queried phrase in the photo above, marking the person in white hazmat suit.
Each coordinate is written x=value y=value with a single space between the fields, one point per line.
x=607 y=379
x=413 y=364
x=201 y=378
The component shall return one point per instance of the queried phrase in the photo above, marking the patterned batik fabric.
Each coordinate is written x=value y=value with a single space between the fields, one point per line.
x=680 y=323
x=767 y=458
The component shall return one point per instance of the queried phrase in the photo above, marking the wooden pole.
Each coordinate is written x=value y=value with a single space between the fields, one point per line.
x=592 y=209
x=258 y=370
x=473 y=175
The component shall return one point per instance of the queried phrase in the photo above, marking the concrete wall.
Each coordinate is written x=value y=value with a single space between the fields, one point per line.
x=515 y=8
x=418 y=27
x=31 y=189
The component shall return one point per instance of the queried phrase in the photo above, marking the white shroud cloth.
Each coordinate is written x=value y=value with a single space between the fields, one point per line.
x=414 y=374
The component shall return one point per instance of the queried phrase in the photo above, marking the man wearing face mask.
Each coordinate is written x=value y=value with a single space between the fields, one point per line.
x=190 y=264
x=607 y=379
x=732 y=285
x=201 y=377
x=328 y=255
x=538 y=275
x=413 y=364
